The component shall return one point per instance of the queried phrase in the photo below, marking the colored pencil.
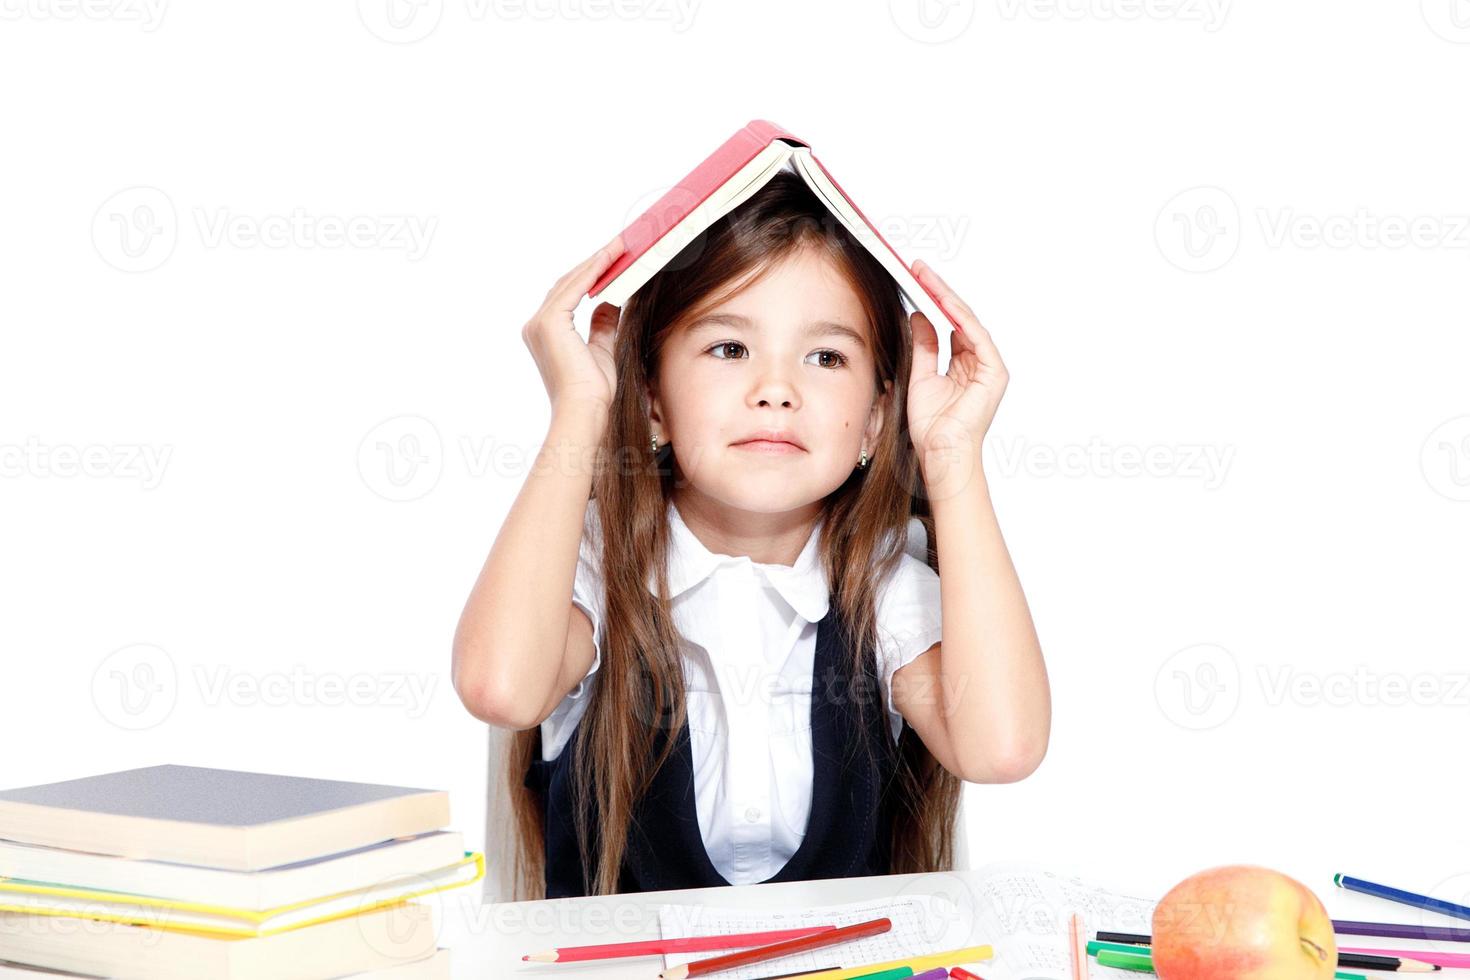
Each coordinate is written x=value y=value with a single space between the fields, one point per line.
x=902 y=973
x=798 y=973
x=1401 y=930
x=787 y=947
x=658 y=947
x=1144 y=964
x=938 y=973
x=960 y=973
x=966 y=954
x=1461 y=960
x=1079 y=947
x=1402 y=897
x=1125 y=961
x=1395 y=961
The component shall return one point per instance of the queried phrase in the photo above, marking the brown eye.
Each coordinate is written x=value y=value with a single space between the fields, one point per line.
x=839 y=359
x=723 y=345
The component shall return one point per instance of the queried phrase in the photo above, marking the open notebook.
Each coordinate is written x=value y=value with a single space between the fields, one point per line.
x=1020 y=910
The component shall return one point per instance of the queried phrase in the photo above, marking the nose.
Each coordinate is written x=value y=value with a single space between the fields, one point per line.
x=774 y=388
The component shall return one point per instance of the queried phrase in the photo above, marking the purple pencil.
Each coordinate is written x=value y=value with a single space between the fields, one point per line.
x=938 y=973
x=1401 y=930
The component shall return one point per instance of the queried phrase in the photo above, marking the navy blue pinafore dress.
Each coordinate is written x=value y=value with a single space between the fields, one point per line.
x=852 y=807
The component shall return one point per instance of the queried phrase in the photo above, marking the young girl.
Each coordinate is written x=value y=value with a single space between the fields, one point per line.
x=713 y=613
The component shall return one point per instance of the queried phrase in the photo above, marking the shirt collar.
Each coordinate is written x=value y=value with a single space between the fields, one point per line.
x=802 y=584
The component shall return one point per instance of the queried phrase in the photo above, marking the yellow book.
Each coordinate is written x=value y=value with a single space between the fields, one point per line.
x=49 y=898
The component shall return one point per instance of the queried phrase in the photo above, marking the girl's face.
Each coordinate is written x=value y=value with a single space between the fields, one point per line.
x=790 y=353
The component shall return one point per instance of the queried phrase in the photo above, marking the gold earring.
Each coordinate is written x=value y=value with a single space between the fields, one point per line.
x=863 y=460
x=655 y=443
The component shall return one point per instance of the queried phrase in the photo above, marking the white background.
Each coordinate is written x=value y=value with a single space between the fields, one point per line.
x=245 y=461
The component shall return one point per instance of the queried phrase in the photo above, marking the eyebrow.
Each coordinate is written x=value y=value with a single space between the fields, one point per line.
x=816 y=328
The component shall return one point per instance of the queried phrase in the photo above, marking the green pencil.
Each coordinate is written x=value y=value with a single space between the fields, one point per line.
x=1125 y=961
x=898 y=973
x=1117 y=956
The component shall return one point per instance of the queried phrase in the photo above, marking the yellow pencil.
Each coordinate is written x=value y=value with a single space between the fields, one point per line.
x=948 y=958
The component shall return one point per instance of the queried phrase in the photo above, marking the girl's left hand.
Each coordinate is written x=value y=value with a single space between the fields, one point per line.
x=954 y=409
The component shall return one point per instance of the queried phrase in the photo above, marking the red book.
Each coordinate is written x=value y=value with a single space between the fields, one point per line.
x=726 y=179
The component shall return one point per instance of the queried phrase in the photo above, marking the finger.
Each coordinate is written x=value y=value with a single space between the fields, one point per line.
x=973 y=337
x=948 y=298
x=604 y=325
x=926 y=349
x=570 y=288
x=981 y=344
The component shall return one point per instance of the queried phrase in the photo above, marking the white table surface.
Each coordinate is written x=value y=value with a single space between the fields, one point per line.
x=489 y=940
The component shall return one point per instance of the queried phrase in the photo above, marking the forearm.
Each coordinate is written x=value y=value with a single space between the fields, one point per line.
x=997 y=701
x=512 y=633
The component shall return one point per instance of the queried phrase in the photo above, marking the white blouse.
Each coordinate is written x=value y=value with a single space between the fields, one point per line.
x=750 y=634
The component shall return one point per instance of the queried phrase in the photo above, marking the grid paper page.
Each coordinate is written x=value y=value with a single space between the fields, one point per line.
x=1028 y=913
x=912 y=933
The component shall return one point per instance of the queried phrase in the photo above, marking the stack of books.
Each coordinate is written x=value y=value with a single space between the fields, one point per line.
x=187 y=872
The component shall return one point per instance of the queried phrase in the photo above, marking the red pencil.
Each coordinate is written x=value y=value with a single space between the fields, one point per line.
x=657 y=947
x=745 y=957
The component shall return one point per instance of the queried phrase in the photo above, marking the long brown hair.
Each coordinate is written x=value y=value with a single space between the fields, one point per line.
x=640 y=681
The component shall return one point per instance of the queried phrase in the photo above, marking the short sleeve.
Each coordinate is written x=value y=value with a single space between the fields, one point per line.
x=909 y=617
x=587 y=592
x=587 y=595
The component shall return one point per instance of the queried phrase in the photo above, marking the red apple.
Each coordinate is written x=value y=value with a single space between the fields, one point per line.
x=1242 y=922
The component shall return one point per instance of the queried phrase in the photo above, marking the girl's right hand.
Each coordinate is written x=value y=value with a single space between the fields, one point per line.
x=573 y=371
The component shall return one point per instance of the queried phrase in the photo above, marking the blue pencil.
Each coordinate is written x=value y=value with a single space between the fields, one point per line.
x=1401 y=896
